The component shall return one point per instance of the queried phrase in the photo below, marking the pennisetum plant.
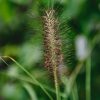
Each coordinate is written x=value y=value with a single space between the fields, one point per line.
x=56 y=61
x=59 y=52
x=53 y=45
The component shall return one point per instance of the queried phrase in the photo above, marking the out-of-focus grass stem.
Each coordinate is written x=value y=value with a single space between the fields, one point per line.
x=88 y=78
x=74 y=93
x=70 y=82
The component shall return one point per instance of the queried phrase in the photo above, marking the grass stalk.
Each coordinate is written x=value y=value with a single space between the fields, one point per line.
x=74 y=93
x=88 y=79
x=56 y=84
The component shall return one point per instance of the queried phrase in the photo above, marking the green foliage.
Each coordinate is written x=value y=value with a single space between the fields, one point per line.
x=21 y=38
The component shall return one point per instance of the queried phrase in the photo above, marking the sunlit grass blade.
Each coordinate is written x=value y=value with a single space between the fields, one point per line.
x=28 y=73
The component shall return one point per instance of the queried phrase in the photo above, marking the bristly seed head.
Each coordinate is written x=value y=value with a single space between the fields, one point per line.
x=52 y=43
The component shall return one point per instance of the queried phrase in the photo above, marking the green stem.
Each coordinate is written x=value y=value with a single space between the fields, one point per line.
x=71 y=80
x=56 y=84
x=88 y=79
x=74 y=93
x=73 y=76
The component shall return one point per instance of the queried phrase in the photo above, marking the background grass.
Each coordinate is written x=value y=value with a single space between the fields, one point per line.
x=21 y=38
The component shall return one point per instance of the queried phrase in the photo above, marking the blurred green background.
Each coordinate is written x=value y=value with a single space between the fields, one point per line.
x=20 y=38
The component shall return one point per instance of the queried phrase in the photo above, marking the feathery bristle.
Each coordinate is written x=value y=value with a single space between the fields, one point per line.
x=52 y=43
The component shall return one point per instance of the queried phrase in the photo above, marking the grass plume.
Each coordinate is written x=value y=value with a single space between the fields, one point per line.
x=52 y=46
